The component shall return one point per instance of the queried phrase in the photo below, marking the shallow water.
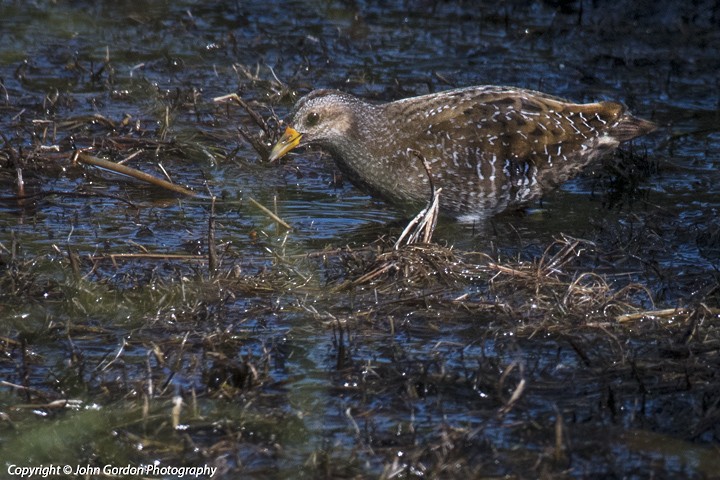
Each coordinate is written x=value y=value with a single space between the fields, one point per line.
x=167 y=61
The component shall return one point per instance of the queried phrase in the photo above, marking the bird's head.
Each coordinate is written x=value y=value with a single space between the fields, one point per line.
x=323 y=117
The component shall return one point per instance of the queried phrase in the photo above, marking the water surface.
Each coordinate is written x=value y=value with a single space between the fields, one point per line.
x=282 y=377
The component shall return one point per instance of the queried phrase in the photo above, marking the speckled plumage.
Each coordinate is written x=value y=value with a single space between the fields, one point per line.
x=488 y=147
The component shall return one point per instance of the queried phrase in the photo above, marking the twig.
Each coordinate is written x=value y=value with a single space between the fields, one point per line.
x=255 y=141
x=131 y=172
x=665 y=312
x=270 y=213
x=255 y=116
x=212 y=249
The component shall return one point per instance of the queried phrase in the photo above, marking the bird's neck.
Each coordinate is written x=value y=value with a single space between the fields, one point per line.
x=367 y=154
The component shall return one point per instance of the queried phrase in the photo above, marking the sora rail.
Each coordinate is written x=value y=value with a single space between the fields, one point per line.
x=487 y=147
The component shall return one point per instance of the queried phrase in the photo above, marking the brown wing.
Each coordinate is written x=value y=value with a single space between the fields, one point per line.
x=515 y=141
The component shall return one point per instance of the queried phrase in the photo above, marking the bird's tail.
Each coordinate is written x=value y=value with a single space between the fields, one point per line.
x=629 y=127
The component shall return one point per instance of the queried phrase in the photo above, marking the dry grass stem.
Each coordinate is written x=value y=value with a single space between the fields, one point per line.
x=270 y=213
x=125 y=170
x=257 y=142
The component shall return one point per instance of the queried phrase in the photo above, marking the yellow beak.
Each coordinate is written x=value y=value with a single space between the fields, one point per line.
x=289 y=140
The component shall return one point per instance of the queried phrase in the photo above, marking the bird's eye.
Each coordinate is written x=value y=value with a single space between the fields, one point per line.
x=312 y=119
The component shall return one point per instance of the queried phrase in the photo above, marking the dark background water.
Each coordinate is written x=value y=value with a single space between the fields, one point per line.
x=158 y=66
